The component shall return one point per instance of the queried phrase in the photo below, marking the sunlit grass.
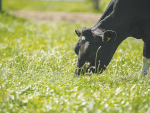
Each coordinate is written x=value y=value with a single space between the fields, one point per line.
x=26 y=5
x=37 y=64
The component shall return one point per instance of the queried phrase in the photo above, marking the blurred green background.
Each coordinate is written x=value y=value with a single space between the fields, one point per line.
x=26 y=5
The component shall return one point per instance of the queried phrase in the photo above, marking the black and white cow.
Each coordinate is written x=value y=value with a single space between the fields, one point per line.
x=121 y=19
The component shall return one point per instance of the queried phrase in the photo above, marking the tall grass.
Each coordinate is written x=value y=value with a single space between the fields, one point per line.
x=37 y=64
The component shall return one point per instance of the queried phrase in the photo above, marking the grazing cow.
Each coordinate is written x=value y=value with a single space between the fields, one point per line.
x=121 y=19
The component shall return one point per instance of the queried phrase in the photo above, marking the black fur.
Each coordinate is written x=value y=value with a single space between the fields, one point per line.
x=121 y=19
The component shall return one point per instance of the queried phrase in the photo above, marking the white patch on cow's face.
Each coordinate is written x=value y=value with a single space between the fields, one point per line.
x=83 y=38
x=146 y=64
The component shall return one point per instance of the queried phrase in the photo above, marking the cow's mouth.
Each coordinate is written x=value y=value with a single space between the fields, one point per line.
x=89 y=69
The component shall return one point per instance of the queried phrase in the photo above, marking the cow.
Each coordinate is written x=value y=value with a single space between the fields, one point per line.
x=121 y=19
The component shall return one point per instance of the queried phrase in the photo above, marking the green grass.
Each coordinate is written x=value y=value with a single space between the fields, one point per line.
x=52 y=6
x=37 y=64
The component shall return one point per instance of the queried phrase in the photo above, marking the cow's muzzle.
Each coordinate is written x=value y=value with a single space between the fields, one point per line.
x=89 y=69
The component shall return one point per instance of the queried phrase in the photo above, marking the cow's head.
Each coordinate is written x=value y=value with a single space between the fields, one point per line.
x=94 y=49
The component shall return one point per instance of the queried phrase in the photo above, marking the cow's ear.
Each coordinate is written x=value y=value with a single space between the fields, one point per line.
x=78 y=32
x=109 y=36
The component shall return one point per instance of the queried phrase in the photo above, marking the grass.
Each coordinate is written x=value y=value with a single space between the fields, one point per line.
x=26 y=5
x=37 y=64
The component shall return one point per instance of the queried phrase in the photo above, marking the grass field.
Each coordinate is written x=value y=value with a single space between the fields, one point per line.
x=26 y=5
x=37 y=64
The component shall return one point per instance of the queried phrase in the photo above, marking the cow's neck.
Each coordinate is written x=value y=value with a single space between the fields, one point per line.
x=110 y=50
x=119 y=15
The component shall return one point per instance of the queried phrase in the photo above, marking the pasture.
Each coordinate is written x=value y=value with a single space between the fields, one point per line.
x=26 y=5
x=37 y=65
